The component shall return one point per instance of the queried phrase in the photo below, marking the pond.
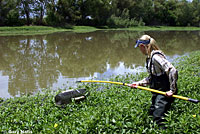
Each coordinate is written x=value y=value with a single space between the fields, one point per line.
x=56 y=61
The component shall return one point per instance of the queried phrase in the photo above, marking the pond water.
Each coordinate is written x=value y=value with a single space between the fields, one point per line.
x=56 y=61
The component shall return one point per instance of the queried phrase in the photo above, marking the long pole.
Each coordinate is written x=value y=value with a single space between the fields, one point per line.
x=143 y=88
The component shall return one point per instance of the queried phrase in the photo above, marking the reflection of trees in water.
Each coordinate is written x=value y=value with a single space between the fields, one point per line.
x=33 y=62
x=177 y=42
x=82 y=57
x=29 y=65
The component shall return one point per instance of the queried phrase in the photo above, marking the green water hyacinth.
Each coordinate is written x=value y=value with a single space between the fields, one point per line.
x=108 y=108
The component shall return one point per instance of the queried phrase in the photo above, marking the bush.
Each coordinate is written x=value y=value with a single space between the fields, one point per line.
x=123 y=21
x=119 y=22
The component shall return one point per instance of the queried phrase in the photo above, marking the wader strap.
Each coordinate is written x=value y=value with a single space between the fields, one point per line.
x=151 y=62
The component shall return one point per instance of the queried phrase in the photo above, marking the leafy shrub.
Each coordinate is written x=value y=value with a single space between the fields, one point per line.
x=119 y=22
x=123 y=21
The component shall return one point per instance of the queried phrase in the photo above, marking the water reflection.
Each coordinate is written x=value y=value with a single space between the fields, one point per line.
x=29 y=63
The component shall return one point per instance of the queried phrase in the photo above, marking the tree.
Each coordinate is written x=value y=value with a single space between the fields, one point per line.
x=40 y=10
x=99 y=10
x=171 y=7
x=184 y=14
x=26 y=8
x=195 y=5
x=69 y=11
x=52 y=16
x=9 y=14
x=159 y=12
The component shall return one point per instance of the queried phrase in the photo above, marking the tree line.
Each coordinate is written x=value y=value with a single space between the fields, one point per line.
x=111 y=13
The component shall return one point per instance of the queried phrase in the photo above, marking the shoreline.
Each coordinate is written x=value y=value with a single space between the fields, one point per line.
x=141 y=74
x=38 y=30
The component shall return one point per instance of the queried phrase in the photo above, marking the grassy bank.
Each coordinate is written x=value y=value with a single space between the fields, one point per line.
x=115 y=109
x=33 y=30
x=29 y=30
x=36 y=30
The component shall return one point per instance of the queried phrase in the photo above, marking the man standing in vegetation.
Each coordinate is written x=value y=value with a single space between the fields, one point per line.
x=162 y=76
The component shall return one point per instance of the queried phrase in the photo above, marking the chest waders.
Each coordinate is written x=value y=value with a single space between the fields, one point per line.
x=160 y=103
